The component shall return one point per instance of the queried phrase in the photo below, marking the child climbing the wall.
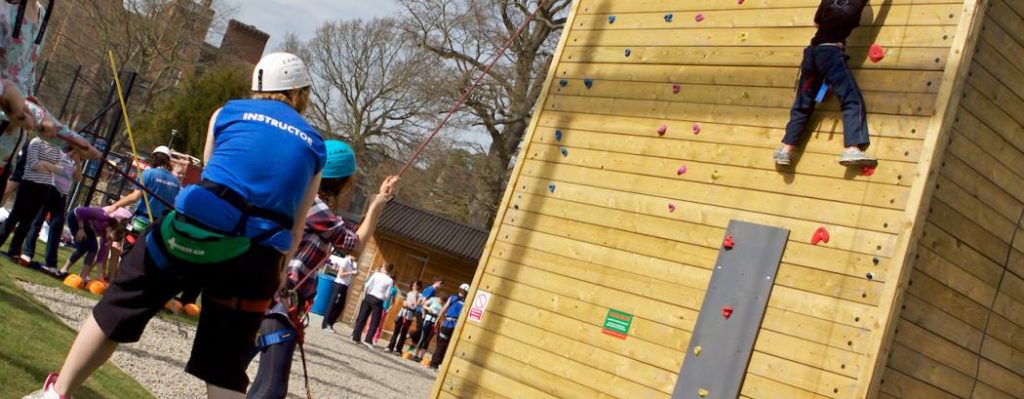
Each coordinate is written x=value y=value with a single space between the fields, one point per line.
x=87 y=224
x=231 y=233
x=824 y=62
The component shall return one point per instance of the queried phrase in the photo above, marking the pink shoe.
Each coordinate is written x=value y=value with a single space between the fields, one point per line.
x=48 y=391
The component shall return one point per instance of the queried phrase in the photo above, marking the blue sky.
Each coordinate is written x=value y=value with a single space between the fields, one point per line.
x=302 y=17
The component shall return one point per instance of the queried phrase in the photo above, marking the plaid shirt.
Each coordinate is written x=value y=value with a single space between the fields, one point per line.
x=325 y=232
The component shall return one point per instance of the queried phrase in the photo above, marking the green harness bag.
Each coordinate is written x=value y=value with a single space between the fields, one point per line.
x=191 y=243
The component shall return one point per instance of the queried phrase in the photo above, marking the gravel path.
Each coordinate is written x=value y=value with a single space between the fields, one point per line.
x=338 y=368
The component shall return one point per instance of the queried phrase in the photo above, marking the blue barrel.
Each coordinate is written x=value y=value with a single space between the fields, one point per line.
x=325 y=290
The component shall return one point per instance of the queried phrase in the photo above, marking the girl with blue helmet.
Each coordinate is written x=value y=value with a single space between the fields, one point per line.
x=230 y=234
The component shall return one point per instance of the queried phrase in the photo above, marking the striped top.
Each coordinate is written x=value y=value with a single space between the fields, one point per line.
x=39 y=150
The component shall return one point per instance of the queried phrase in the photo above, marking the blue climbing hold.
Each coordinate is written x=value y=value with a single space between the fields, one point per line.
x=551 y=187
x=565 y=152
x=588 y=82
x=611 y=19
x=821 y=93
x=628 y=52
x=668 y=17
x=558 y=135
x=563 y=83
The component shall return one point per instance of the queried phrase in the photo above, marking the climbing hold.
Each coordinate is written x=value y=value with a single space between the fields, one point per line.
x=676 y=88
x=699 y=17
x=703 y=392
x=740 y=2
x=822 y=92
x=696 y=350
x=565 y=152
x=192 y=310
x=743 y=36
x=73 y=281
x=681 y=170
x=875 y=260
x=551 y=187
x=867 y=170
x=726 y=311
x=558 y=135
x=97 y=287
x=715 y=175
x=671 y=208
x=870 y=276
x=628 y=52
x=820 y=235
x=563 y=83
x=696 y=128
x=668 y=17
x=728 y=243
x=611 y=19
x=876 y=53
x=662 y=130
x=588 y=82
x=173 y=305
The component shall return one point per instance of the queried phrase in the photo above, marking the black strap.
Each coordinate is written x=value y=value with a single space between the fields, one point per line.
x=22 y=6
x=247 y=208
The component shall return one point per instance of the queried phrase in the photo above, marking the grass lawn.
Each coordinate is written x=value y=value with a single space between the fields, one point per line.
x=33 y=342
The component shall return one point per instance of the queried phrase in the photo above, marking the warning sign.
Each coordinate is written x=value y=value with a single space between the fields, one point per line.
x=617 y=323
x=476 y=311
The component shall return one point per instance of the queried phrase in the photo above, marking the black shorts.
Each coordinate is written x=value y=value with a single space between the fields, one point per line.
x=225 y=337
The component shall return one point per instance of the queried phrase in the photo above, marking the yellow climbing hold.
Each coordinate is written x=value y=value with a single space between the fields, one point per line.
x=696 y=350
x=715 y=175
x=702 y=392
x=743 y=36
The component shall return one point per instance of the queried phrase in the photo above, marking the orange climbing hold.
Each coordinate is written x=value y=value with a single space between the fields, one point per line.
x=876 y=53
x=820 y=236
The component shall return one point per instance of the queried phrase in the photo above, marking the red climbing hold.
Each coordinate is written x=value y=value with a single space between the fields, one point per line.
x=726 y=311
x=676 y=88
x=820 y=235
x=699 y=17
x=662 y=130
x=867 y=170
x=728 y=244
x=876 y=53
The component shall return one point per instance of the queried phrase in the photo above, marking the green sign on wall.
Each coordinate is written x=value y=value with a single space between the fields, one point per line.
x=617 y=323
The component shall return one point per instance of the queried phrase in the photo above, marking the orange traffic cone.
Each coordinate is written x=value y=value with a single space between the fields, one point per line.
x=192 y=310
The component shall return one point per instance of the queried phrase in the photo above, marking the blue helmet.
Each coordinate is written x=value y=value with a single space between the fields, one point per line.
x=341 y=160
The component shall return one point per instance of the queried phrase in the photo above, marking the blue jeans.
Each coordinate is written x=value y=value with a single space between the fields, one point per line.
x=827 y=64
x=53 y=205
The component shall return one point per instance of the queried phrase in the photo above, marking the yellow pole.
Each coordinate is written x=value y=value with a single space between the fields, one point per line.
x=131 y=138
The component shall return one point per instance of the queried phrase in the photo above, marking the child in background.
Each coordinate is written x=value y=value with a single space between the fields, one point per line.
x=87 y=224
x=405 y=319
x=431 y=311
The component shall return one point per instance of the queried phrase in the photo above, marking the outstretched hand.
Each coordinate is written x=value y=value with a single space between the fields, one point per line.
x=388 y=188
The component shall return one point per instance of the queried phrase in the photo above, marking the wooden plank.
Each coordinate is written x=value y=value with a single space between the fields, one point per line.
x=1001 y=379
x=1003 y=355
x=636 y=6
x=489 y=380
x=976 y=185
x=819 y=356
x=815 y=330
x=1009 y=308
x=1001 y=96
x=927 y=370
x=901 y=385
x=522 y=369
x=570 y=348
x=974 y=156
x=967 y=231
x=908 y=58
x=985 y=391
x=1013 y=287
x=588 y=332
x=979 y=209
x=869 y=80
x=1004 y=330
x=1002 y=14
x=953 y=250
x=826 y=308
x=801 y=376
x=675 y=338
x=917 y=104
x=939 y=322
x=826 y=212
x=456 y=387
x=998 y=65
x=592 y=151
x=995 y=118
x=898 y=36
x=945 y=298
x=856 y=289
x=739 y=18
x=1003 y=42
x=563 y=374
x=955 y=277
x=936 y=348
x=1016 y=265
x=757 y=387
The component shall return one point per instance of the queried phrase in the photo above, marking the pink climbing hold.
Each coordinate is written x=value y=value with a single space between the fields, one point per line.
x=671 y=208
x=676 y=88
x=820 y=235
x=699 y=17
x=696 y=128
x=740 y=2
x=876 y=53
x=681 y=170
x=867 y=170
x=728 y=243
x=662 y=130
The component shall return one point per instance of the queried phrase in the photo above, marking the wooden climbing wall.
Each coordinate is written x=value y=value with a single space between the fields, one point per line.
x=961 y=333
x=599 y=214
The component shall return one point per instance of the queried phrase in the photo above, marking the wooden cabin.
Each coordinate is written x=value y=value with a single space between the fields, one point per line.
x=602 y=260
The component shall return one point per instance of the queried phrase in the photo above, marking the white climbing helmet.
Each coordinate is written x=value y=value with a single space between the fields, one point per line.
x=280 y=72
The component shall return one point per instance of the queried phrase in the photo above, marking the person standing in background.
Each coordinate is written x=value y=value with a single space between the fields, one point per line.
x=55 y=206
x=405 y=318
x=347 y=269
x=375 y=291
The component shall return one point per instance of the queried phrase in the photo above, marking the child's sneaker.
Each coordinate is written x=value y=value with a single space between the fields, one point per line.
x=48 y=391
x=781 y=157
x=856 y=157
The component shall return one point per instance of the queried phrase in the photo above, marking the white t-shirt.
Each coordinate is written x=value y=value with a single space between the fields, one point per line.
x=345 y=265
x=378 y=285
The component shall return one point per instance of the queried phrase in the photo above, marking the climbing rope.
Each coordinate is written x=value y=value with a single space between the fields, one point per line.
x=131 y=138
x=469 y=90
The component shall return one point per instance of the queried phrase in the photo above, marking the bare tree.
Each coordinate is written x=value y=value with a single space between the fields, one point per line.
x=468 y=33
